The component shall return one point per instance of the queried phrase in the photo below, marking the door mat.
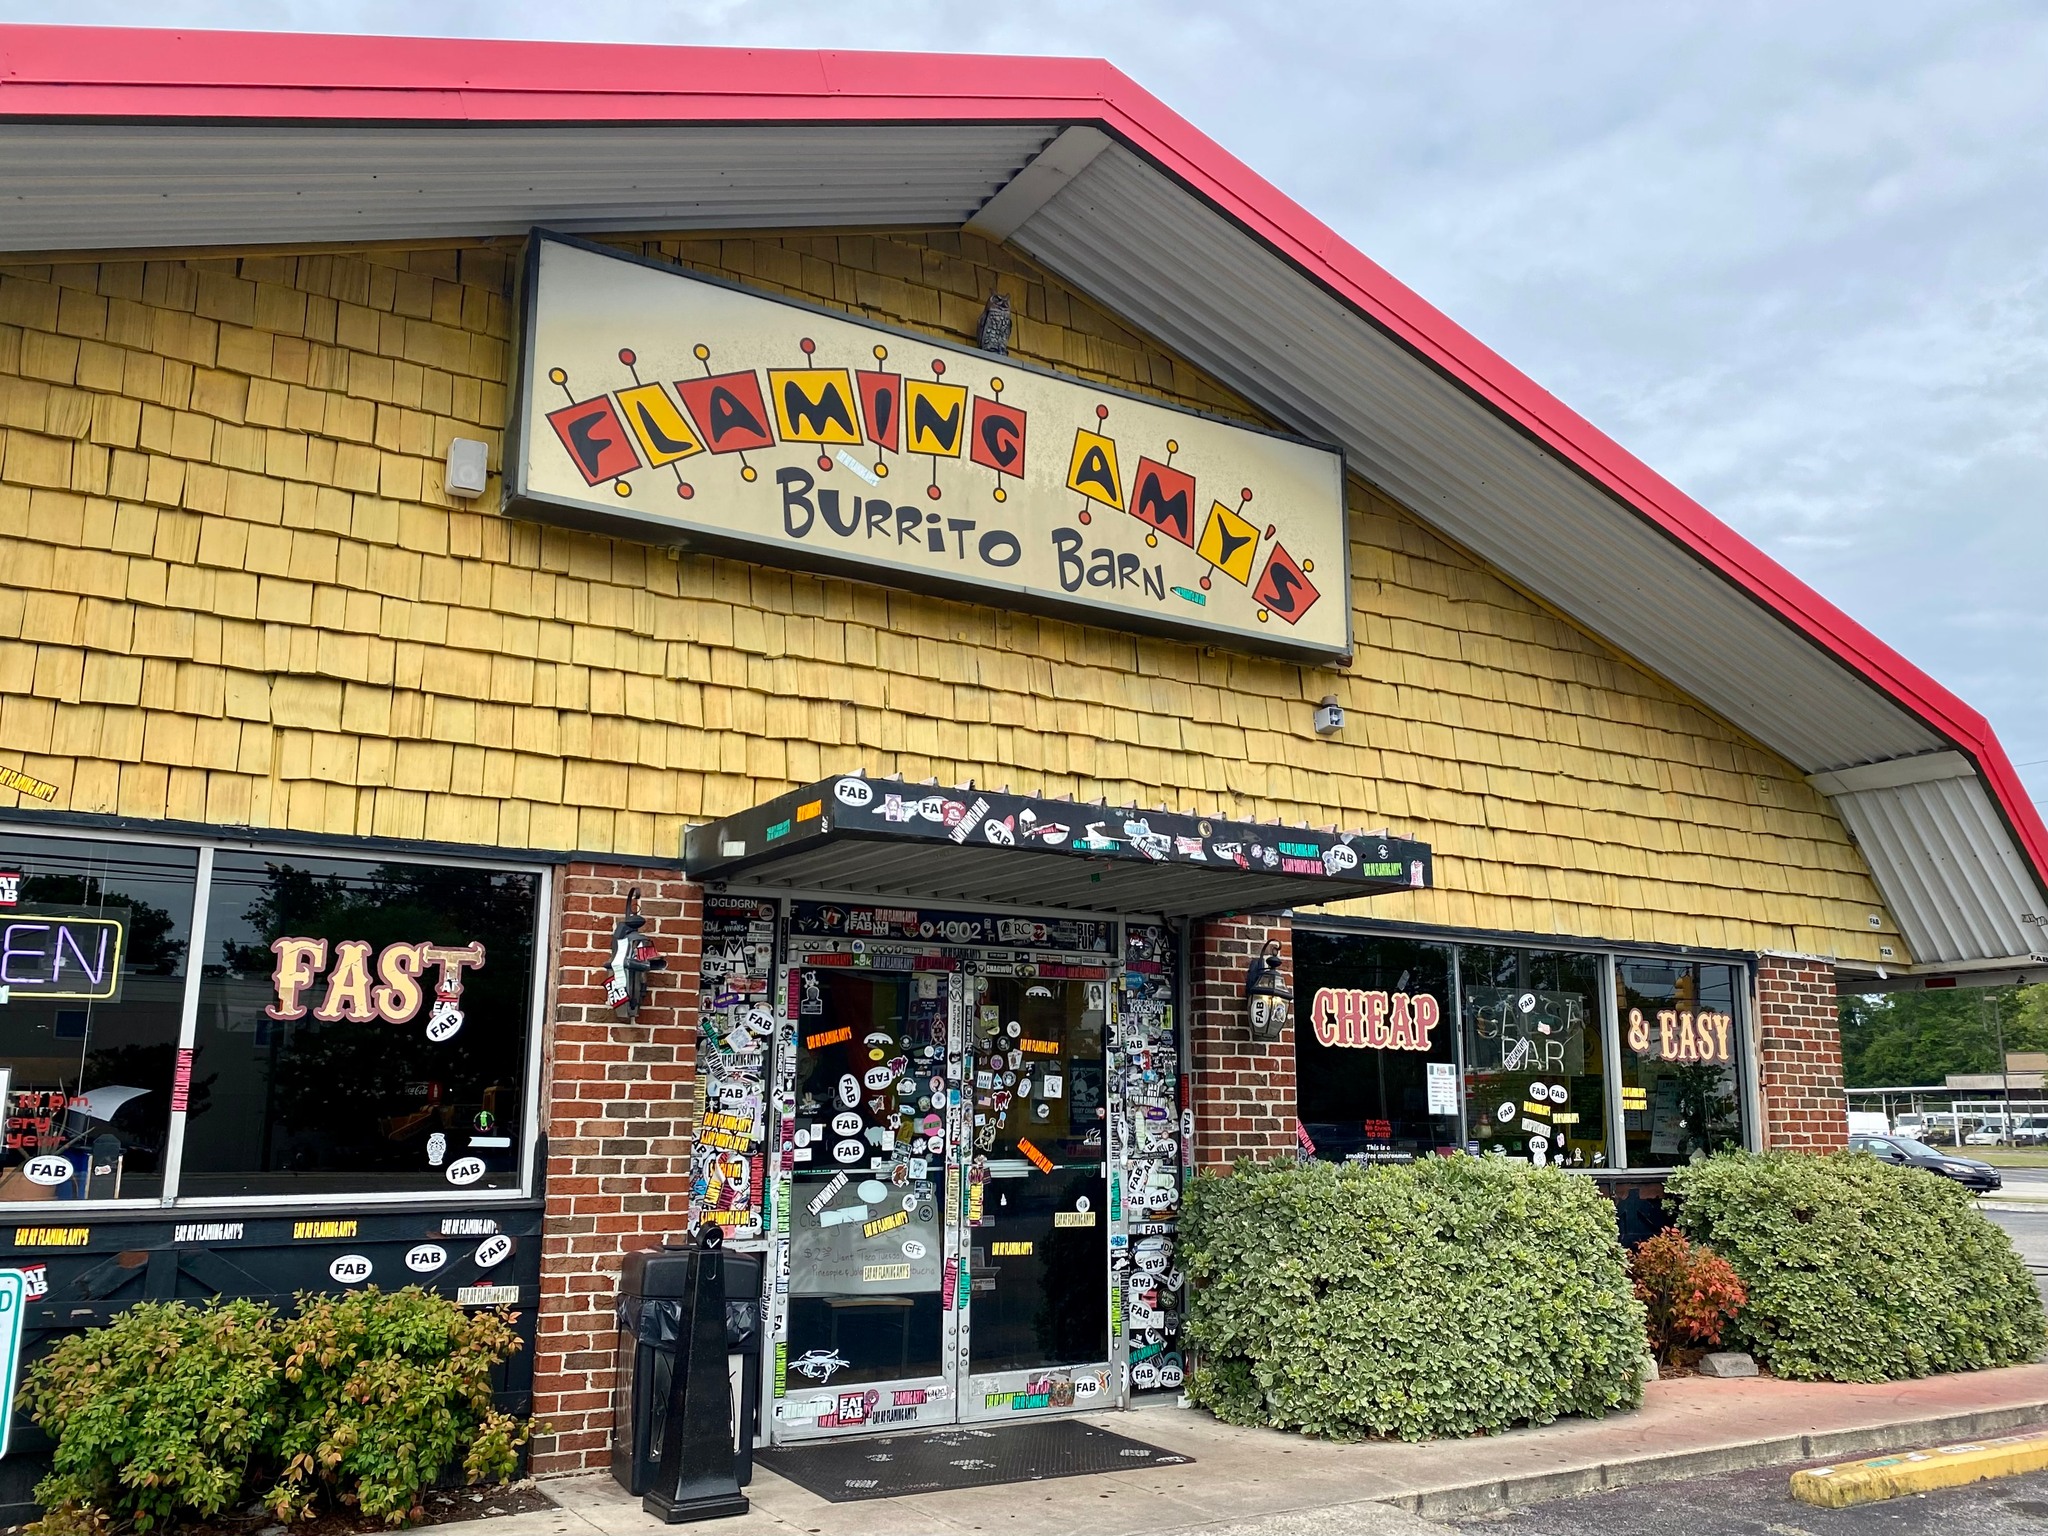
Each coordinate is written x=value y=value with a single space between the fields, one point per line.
x=970 y=1456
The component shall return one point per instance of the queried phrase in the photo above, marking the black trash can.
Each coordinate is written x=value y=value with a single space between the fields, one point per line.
x=743 y=1334
x=655 y=1297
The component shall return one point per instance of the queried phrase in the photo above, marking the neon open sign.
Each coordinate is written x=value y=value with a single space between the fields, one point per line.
x=61 y=957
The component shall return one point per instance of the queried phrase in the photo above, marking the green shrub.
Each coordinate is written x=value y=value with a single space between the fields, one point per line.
x=158 y=1416
x=1860 y=1271
x=1451 y=1296
x=382 y=1393
x=174 y=1411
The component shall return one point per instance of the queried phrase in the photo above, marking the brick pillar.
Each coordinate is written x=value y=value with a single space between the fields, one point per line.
x=1244 y=1097
x=1799 y=1055
x=620 y=1100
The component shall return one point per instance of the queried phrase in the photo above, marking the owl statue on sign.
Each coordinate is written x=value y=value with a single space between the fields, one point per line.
x=995 y=324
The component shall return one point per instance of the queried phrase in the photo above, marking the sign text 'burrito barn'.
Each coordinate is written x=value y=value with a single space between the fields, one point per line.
x=663 y=406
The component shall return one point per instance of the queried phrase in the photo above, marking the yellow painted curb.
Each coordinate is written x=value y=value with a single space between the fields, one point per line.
x=1947 y=1466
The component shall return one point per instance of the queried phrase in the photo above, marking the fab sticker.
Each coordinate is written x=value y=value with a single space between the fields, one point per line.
x=447 y=1018
x=349 y=1269
x=493 y=1250
x=466 y=1170
x=49 y=1170
x=426 y=1258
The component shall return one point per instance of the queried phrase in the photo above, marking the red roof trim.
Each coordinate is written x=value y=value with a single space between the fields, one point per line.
x=126 y=74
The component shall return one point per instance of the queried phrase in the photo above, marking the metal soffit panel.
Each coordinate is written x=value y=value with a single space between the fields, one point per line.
x=112 y=186
x=1153 y=253
x=1943 y=858
x=1013 y=878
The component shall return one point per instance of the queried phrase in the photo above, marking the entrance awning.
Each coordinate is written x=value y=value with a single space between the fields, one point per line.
x=887 y=837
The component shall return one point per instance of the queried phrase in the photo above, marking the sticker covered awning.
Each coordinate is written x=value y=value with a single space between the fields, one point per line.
x=887 y=837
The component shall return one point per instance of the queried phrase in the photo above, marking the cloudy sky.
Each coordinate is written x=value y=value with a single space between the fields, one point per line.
x=1795 y=256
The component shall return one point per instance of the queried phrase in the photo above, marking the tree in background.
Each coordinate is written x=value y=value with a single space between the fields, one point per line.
x=1916 y=1039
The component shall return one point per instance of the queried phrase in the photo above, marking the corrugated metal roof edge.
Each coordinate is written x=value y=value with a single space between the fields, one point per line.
x=116 y=74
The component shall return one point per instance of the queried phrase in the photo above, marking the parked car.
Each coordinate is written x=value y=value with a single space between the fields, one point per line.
x=1988 y=1136
x=1981 y=1178
x=2030 y=1130
x=1929 y=1133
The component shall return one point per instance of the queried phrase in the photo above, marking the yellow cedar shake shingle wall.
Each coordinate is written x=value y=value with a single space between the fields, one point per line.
x=231 y=591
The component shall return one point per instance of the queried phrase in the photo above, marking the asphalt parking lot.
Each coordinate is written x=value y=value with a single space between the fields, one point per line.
x=1761 y=1504
x=2029 y=1233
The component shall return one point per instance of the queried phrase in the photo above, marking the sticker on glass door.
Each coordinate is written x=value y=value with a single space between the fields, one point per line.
x=866 y=1320
x=1037 y=1238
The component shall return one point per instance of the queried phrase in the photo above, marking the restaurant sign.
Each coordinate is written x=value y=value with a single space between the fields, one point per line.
x=1682 y=1035
x=51 y=954
x=661 y=406
x=1375 y=1021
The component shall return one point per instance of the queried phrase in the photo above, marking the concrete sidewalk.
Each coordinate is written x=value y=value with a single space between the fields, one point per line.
x=1254 y=1481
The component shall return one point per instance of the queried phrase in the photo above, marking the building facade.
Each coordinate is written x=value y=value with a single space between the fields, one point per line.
x=406 y=884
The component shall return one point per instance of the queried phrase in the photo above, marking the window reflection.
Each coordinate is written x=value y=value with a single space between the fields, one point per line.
x=1680 y=1096
x=1535 y=1083
x=93 y=941
x=1377 y=1079
x=363 y=1027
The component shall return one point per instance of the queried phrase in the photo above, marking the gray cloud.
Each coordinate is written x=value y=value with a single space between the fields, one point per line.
x=1794 y=256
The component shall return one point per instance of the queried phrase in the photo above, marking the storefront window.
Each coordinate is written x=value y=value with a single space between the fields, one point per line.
x=1680 y=1041
x=93 y=946
x=1375 y=1050
x=363 y=1028
x=1534 y=1057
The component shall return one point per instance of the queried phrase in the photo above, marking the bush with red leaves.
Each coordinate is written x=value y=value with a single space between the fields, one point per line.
x=1689 y=1292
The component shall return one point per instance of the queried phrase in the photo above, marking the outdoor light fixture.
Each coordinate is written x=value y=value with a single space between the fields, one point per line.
x=632 y=957
x=1267 y=997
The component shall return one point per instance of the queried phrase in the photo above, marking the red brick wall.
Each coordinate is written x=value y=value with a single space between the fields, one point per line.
x=620 y=1104
x=1243 y=1088
x=1799 y=1060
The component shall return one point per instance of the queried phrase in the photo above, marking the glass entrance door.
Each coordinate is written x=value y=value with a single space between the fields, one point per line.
x=948 y=1220
x=1037 y=1195
x=872 y=1183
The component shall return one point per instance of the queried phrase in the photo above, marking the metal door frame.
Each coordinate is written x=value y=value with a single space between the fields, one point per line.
x=916 y=1402
x=994 y=1395
x=953 y=1396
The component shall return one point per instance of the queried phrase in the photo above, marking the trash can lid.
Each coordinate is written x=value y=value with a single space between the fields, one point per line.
x=658 y=1272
